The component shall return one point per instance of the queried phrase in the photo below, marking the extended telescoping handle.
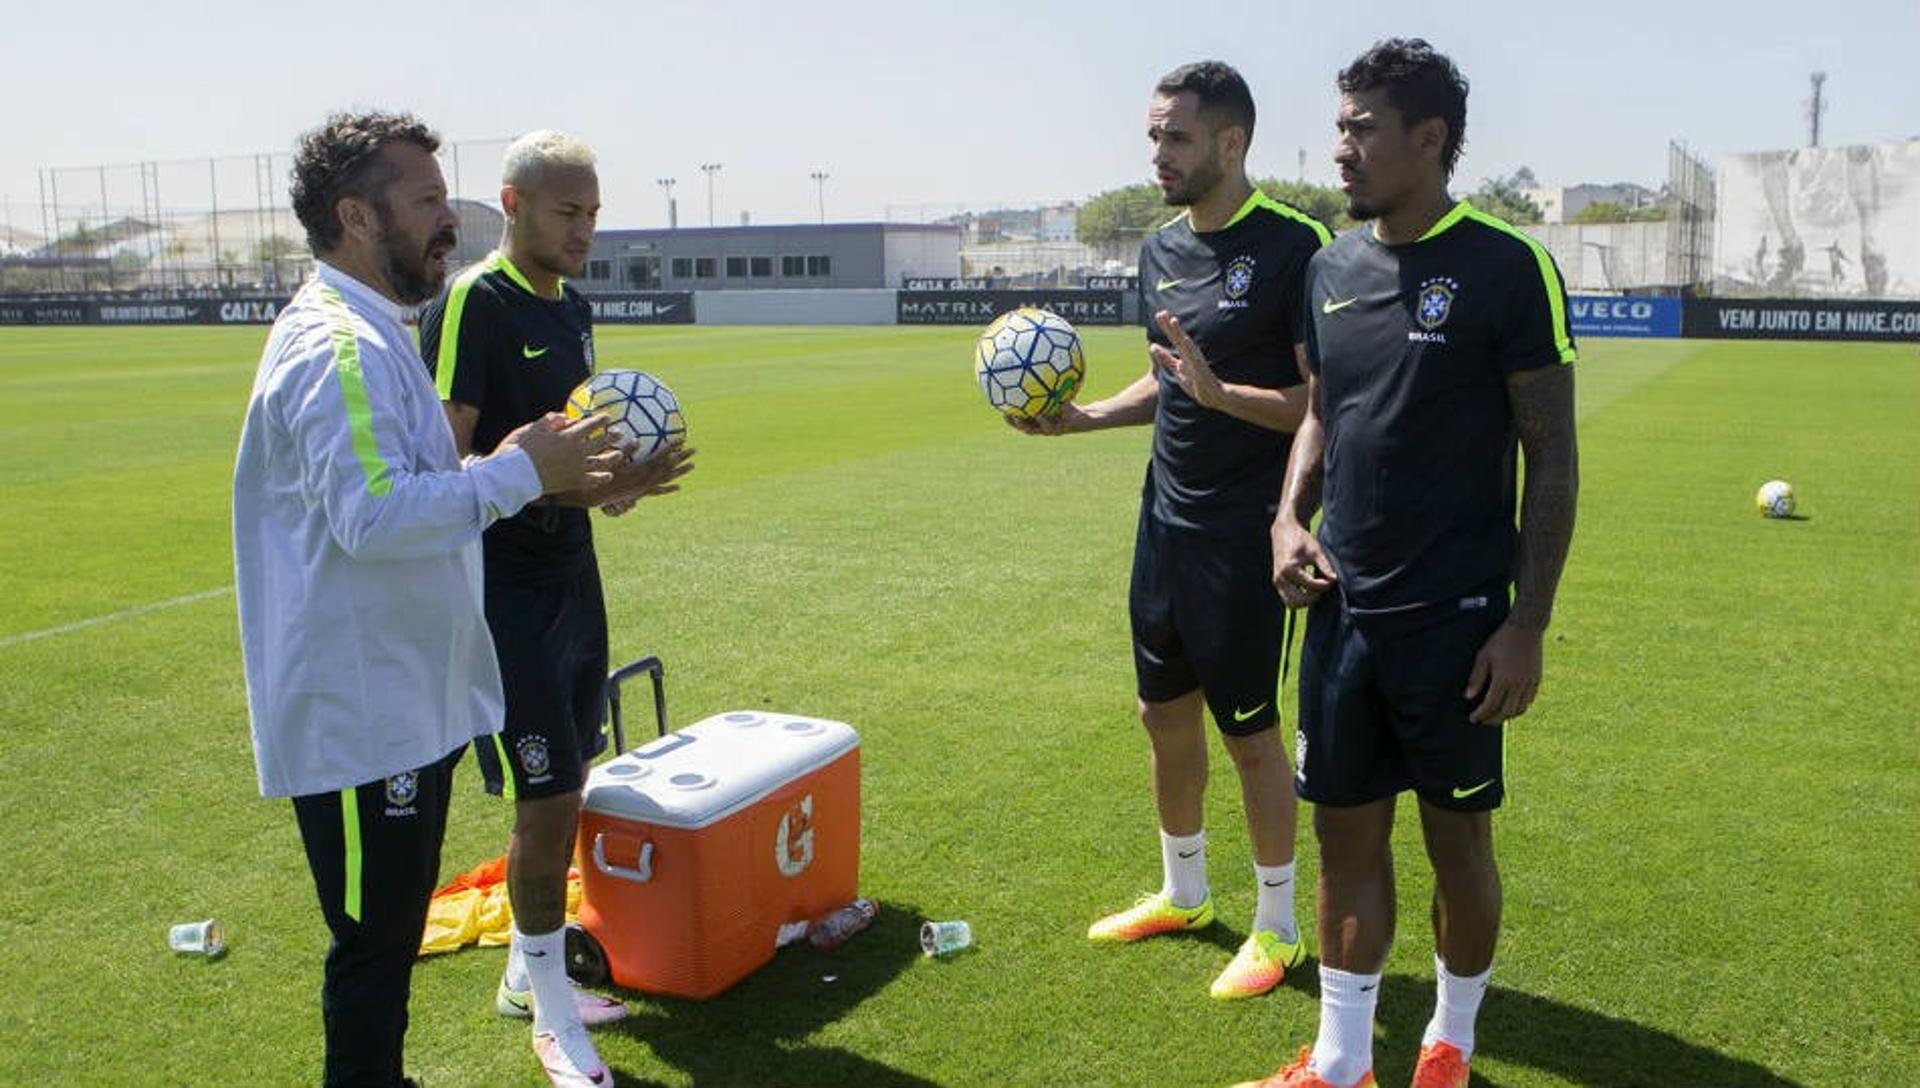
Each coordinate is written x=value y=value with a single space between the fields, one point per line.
x=652 y=667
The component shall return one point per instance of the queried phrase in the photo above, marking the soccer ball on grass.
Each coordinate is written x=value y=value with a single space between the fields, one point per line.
x=1775 y=499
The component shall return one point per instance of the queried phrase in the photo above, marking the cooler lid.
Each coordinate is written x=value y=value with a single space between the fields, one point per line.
x=715 y=767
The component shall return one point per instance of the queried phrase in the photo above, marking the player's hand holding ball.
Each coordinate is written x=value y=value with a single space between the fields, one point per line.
x=1030 y=366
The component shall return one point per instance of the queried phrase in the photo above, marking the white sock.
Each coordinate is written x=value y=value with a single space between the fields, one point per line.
x=1274 y=909
x=1456 y=1004
x=1184 y=860
x=546 y=960
x=1344 y=1051
x=516 y=977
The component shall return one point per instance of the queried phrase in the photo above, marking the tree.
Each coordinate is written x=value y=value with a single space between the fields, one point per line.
x=1128 y=213
x=1323 y=202
x=274 y=247
x=1502 y=198
x=1121 y=215
x=1609 y=211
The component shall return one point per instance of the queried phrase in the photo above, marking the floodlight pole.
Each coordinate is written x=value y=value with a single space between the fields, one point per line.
x=666 y=185
x=710 y=169
x=820 y=187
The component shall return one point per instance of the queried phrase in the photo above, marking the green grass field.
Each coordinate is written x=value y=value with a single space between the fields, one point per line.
x=1709 y=852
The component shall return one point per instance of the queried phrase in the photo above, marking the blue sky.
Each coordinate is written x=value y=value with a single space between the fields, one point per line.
x=907 y=105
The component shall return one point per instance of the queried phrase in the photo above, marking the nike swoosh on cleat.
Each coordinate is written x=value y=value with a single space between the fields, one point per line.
x=1329 y=306
x=1164 y=284
x=1241 y=717
x=524 y=1004
x=1459 y=793
x=528 y=351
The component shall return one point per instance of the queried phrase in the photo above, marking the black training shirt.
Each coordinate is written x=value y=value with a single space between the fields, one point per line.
x=1237 y=292
x=1411 y=345
x=495 y=345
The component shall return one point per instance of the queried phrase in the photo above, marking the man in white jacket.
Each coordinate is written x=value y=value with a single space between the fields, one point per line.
x=357 y=565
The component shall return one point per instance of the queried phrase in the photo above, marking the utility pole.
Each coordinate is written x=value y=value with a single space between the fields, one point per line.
x=666 y=185
x=820 y=187
x=1816 y=106
x=710 y=169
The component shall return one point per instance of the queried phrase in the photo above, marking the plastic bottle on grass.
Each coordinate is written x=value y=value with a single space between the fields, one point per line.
x=831 y=930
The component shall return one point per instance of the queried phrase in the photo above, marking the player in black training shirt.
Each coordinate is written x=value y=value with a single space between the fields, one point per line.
x=1223 y=285
x=507 y=342
x=1437 y=335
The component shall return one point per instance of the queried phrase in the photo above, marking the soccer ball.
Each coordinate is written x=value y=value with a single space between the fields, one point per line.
x=642 y=409
x=1775 y=499
x=1029 y=362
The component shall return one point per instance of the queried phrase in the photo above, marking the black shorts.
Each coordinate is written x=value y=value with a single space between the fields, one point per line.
x=1383 y=709
x=1205 y=616
x=551 y=641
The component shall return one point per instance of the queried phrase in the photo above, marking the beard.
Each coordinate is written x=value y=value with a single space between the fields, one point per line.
x=1359 y=211
x=1196 y=184
x=408 y=262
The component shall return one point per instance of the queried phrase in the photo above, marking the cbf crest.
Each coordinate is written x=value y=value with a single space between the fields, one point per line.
x=1436 y=301
x=402 y=788
x=533 y=755
x=1239 y=277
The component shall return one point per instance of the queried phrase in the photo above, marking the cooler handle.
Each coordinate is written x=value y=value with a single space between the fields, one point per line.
x=638 y=876
x=650 y=665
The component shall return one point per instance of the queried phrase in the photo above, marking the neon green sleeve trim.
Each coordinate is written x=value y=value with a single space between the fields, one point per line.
x=350 y=832
x=503 y=263
x=448 y=354
x=1246 y=209
x=1549 y=278
x=1460 y=210
x=1287 y=211
x=353 y=390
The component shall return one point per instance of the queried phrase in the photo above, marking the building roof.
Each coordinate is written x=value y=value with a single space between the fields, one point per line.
x=780 y=230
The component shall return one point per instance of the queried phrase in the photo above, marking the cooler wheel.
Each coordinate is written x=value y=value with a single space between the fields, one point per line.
x=586 y=960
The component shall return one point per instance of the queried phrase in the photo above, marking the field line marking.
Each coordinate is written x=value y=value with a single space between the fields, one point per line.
x=114 y=617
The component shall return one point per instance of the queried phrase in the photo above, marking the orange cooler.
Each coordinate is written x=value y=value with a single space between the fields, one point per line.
x=696 y=848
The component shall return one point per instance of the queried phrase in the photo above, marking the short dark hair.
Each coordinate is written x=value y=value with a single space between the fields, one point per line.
x=1419 y=82
x=342 y=158
x=1222 y=93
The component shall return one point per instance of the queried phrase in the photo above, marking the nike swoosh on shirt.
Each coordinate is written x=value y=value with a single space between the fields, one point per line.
x=1164 y=284
x=1241 y=717
x=530 y=353
x=1328 y=306
x=1459 y=793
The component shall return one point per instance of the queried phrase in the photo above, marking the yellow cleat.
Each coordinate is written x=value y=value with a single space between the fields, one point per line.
x=1259 y=965
x=1151 y=916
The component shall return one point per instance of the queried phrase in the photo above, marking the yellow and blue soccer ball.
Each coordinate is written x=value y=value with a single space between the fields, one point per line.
x=1775 y=499
x=642 y=408
x=1029 y=362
